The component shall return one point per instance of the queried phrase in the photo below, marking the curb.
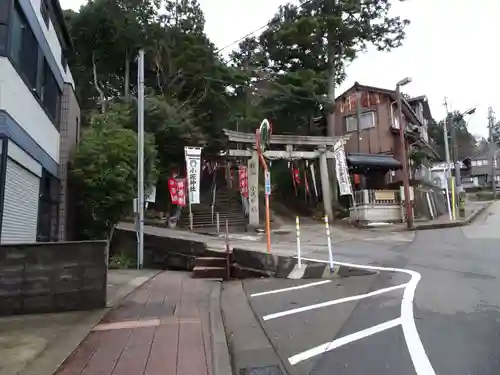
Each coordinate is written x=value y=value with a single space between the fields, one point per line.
x=53 y=356
x=454 y=224
x=221 y=363
x=286 y=267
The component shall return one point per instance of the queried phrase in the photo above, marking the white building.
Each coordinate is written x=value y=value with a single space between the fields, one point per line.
x=39 y=120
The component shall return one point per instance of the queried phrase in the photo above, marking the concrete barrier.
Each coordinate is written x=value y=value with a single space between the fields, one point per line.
x=286 y=267
x=52 y=277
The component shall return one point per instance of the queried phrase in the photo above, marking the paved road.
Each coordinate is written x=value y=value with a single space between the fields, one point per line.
x=448 y=322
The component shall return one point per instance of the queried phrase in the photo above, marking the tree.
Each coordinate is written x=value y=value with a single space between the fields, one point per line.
x=464 y=140
x=103 y=172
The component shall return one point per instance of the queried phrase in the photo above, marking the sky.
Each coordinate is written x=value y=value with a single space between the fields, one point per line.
x=450 y=50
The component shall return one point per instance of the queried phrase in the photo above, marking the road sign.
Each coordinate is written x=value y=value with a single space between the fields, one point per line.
x=268 y=182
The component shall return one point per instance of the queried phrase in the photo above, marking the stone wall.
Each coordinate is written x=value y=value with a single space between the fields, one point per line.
x=52 y=277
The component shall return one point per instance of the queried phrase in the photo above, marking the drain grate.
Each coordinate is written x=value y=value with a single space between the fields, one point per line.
x=262 y=370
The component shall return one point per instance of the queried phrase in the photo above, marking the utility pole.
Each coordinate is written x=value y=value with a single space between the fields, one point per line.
x=491 y=123
x=140 y=158
x=333 y=47
x=447 y=157
x=358 y=119
x=404 y=154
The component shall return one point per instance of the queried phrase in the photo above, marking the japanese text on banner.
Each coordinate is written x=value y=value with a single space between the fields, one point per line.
x=193 y=166
x=342 y=172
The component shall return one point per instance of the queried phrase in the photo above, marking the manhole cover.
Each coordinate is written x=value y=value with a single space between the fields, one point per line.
x=263 y=370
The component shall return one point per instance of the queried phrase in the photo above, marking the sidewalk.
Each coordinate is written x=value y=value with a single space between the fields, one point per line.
x=38 y=343
x=163 y=328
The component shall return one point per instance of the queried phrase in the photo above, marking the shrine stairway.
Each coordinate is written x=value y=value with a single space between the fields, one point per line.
x=227 y=204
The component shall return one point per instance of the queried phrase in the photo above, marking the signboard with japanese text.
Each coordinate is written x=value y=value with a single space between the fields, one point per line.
x=193 y=167
x=267 y=181
x=253 y=190
x=342 y=171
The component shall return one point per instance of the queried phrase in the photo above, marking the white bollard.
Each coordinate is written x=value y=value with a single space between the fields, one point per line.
x=297 y=227
x=330 y=255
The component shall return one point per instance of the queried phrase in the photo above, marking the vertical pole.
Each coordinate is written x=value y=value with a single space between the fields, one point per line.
x=447 y=157
x=358 y=119
x=406 y=181
x=491 y=122
x=453 y=200
x=297 y=227
x=325 y=182
x=218 y=222
x=268 y=213
x=140 y=156
x=329 y=241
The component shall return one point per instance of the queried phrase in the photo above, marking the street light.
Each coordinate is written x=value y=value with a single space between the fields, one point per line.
x=406 y=180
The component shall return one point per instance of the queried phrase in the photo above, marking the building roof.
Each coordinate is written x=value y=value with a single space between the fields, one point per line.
x=425 y=102
x=407 y=109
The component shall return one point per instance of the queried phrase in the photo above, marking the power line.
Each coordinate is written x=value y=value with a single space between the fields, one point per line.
x=253 y=32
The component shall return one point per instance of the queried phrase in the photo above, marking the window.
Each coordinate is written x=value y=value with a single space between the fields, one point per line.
x=32 y=65
x=47 y=210
x=44 y=10
x=4 y=29
x=16 y=38
x=367 y=121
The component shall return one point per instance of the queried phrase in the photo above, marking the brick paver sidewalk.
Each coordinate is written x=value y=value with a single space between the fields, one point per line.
x=160 y=329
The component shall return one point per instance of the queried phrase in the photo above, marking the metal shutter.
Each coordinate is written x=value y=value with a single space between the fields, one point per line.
x=20 y=208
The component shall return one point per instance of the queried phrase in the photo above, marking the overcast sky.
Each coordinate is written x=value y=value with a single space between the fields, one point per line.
x=450 y=50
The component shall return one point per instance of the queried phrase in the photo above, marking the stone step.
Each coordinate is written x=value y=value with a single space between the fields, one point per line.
x=209 y=272
x=210 y=262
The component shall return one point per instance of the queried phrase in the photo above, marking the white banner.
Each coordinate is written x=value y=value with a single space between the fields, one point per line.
x=193 y=167
x=342 y=171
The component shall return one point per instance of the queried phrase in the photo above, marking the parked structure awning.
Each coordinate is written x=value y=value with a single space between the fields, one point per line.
x=373 y=161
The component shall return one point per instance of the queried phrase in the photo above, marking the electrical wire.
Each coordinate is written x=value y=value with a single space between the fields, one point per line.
x=253 y=32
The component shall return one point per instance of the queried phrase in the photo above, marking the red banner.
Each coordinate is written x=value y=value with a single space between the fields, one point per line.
x=177 y=189
x=172 y=188
x=243 y=177
x=181 y=191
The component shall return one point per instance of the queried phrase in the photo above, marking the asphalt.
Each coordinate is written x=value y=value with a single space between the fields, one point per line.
x=456 y=307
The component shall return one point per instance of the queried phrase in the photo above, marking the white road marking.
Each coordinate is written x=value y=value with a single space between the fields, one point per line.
x=290 y=288
x=343 y=341
x=417 y=352
x=333 y=302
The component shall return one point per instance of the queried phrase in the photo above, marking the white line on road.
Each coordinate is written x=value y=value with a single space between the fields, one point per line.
x=316 y=283
x=333 y=302
x=417 y=352
x=343 y=341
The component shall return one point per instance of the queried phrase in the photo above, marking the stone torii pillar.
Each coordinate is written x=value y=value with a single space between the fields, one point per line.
x=325 y=182
x=253 y=189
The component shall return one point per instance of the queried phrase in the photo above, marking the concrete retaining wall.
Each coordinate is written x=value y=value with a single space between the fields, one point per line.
x=159 y=252
x=52 y=277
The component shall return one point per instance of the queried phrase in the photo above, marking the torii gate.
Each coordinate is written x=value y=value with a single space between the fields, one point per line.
x=324 y=150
